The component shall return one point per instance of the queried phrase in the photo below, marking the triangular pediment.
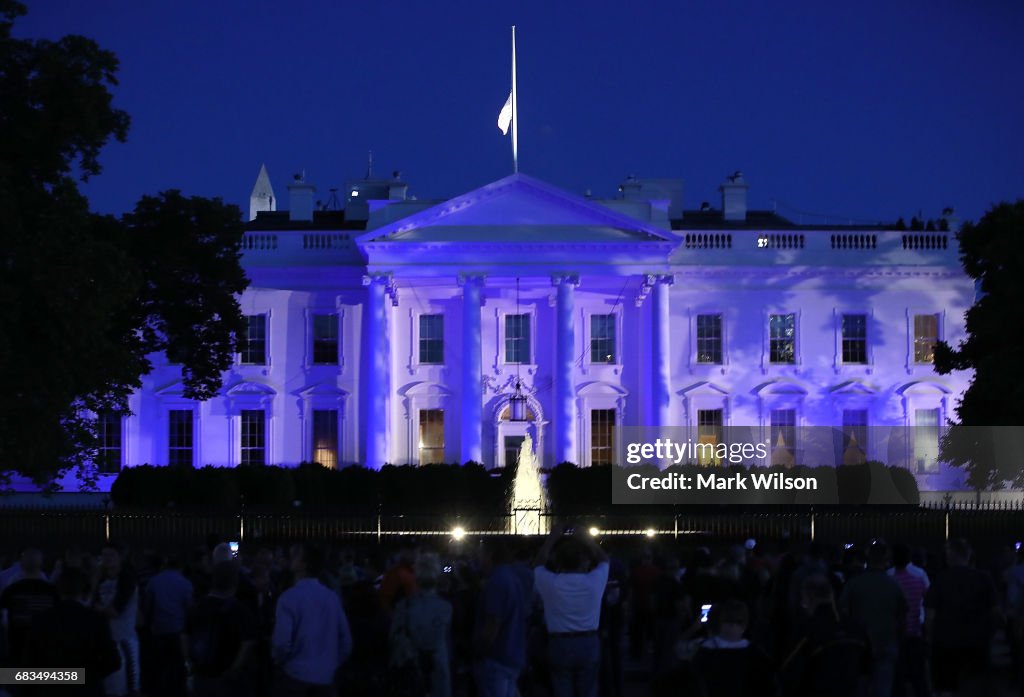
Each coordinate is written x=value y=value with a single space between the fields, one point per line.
x=853 y=388
x=323 y=389
x=173 y=389
x=251 y=388
x=518 y=209
x=703 y=389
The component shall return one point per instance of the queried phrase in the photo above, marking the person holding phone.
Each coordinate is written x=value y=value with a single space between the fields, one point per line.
x=570 y=576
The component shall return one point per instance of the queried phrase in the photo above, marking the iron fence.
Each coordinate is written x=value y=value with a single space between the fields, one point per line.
x=987 y=524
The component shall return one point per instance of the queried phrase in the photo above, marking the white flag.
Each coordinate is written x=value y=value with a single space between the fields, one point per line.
x=505 y=117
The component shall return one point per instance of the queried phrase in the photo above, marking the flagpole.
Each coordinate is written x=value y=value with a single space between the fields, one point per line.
x=515 y=114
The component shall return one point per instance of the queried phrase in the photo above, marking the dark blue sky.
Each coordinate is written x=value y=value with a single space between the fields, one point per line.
x=869 y=110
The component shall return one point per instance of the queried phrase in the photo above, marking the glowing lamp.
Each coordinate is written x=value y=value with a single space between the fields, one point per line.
x=649 y=532
x=517 y=404
x=458 y=533
x=594 y=532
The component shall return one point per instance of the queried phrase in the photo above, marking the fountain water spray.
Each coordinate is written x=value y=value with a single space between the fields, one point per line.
x=528 y=498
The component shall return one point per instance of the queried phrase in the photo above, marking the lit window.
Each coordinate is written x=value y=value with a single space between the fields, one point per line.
x=926 y=440
x=254 y=343
x=855 y=436
x=855 y=338
x=782 y=338
x=325 y=339
x=179 y=437
x=602 y=436
x=108 y=427
x=709 y=339
x=254 y=440
x=432 y=339
x=517 y=338
x=325 y=437
x=602 y=338
x=709 y=435
x=431 y=436
x=783 y=444
x=926 y=335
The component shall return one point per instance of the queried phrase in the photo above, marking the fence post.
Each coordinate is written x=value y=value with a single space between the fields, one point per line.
x=241 y=521
x=378 y=524
x=675 y=526
x=813 y=521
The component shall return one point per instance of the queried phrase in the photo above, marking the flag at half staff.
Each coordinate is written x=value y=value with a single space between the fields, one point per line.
x=505 y=117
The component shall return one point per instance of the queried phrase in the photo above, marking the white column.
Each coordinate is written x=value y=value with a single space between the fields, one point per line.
x=565 y=369
x=472 y=370
x=376 y=377
x=661 y=380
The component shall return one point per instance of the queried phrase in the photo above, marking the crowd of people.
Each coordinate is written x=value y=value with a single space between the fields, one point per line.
x=503 y=617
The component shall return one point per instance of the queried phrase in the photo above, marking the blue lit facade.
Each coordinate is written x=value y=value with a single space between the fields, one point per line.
x=395 y=330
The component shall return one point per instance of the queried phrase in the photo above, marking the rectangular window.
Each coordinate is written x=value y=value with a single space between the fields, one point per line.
x=602 y=436
x=517 y=338
x=709 y=435
x=855 y=338
x=432 y=339
x=513 y=444
x=926 y=335
x=431 y=436
x=709 y=339
x=325 y=437
x=783 y=437
x=602 y=338
x=254 y=437
x=926 y=440
x=325 y=339
x=855 y=436
x=179 y=437
x=108 y=427
x=782 y=338
x=254 y=343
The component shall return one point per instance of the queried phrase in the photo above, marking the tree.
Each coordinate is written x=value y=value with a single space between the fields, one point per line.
x=992 y=254
x=85 y=299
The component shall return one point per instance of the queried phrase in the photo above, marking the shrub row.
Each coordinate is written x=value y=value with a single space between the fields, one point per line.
x=394 y=490
x=432 y=489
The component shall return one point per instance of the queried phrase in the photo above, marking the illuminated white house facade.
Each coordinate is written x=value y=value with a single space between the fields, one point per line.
x=395 y=330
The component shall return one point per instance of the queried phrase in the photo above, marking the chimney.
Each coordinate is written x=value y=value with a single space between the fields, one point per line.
x=734 y=197
x=950 y=218
x=300 y=194
x=397 y=189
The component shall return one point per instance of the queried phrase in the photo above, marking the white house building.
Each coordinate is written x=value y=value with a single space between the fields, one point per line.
x=395 y=330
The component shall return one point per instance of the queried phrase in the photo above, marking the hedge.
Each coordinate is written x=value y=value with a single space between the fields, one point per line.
x=394 y=490
x=432 y=489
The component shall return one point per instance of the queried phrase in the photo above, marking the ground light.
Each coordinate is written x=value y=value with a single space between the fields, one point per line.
x=458 y=533
x=594 y=532
x=649 y=532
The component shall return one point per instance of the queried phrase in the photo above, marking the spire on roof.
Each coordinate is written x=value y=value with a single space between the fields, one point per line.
x=262 y=197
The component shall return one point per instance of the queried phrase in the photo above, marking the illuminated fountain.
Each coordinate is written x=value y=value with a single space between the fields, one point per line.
x=528 y=499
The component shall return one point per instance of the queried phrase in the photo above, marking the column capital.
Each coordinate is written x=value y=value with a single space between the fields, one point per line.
x=649 y=281
x=377 y=277
x=385 y=279
x=558 y=279
x=471 y=277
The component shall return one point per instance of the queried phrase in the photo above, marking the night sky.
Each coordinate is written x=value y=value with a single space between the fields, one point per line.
x=867 y=110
